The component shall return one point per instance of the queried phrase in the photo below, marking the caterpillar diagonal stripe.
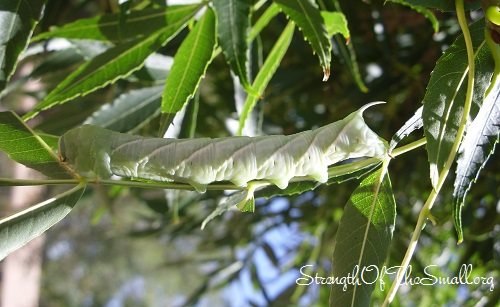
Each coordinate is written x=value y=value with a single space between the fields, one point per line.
x=99 y=153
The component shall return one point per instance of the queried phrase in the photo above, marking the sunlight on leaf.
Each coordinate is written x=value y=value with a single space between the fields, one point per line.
x=20 y=228
x=306 y=15
x=113 y=64
x=190 y=65
x=445 y=96
x=363 y=239
x=478 y=145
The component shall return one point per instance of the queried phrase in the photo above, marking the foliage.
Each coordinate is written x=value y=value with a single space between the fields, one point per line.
x=144 y=67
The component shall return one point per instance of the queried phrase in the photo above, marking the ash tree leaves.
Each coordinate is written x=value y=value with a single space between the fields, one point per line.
x=442 y=5
x=107 y=27
x=233 y=28
x=266 y=72
x=442 y=110
x=18 y=229
x=308 y=18
x=190 y=64
x=113 y=64
x=363 y=239
x=477 y=146
x=136 y=34
x=131 y=36
x=445 y=95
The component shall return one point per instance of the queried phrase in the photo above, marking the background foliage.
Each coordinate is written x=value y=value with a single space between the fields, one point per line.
x=145 y=247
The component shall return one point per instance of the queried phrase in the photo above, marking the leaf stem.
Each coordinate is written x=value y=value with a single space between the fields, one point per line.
x=425 y=211
x=403 y=149
x=167 y=185
x=29 y=182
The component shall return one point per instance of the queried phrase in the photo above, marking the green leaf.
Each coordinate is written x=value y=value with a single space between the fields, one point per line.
x=308 y=18
x=20 y=228
x=263 y=21
x=129 y=111
x=113 y=64
x=233 y=26
x=335 y=23
x=424 y=11
x=226 y=204
x=247 y=205
x=345 y=49
x=267 y=71
x=478 y=145
x=190 y=64
x=443 y=5
x=17 y=20
x=58 y=60
x=107 y=28
x=363 y=240
x=445 y=96
x=22 y=145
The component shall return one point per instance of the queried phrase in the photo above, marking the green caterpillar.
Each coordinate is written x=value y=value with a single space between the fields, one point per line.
x=99 y=153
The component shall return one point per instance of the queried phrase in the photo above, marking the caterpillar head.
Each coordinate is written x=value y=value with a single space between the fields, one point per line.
x=80 y=149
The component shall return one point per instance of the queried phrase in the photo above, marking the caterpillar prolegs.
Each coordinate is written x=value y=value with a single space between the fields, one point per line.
x=99 y=153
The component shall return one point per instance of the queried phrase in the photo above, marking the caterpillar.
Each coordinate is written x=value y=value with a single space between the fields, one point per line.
x=99 y=153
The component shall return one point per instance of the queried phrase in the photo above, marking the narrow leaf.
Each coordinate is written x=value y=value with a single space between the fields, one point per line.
x=115 y=63
x=125 y=6
x=129 y=111
x=267 y=71
x=445 y=96
x=422 y=10
x=233 y=26
x=17 y=20
x=20 y=228
x=22 y=145
x=363 y=240
x=443 y=5
x=346 y=51
x=107 y=28
x=263 y=21
x=335 y=23
x=190 y=64
x=478 y=145
x=225 y=204
x=308 y=18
